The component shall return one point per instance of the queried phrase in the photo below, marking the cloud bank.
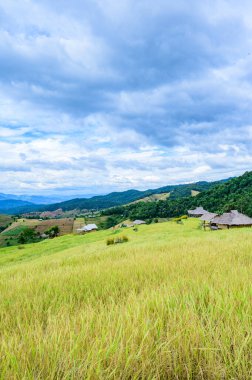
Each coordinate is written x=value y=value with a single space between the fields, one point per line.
x=102 y=95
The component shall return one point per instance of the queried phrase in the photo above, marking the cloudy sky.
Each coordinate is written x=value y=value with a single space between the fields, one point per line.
x=102 y=95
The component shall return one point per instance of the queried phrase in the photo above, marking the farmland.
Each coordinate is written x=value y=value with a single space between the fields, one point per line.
x=11 y=234
x=65 y=225
x=172 y=303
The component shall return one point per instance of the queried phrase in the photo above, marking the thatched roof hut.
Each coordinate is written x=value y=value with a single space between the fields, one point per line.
x=232 y=219
x=207 y=217
x=197 y=212
x=138 y=222
x=88 y=228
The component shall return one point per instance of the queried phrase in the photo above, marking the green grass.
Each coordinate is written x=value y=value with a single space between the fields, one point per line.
x=173 y=303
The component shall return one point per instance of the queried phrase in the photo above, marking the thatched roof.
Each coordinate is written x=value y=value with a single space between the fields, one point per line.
x=138 y=222
x=207 y=217
x=87 y=228
x=197 y=211
x=233 y=218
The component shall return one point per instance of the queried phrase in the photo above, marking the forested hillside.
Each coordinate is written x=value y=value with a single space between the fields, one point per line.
x=233 y=194
x=115 y=198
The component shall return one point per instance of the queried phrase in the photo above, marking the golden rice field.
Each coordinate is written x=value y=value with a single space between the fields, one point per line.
x=174 y=302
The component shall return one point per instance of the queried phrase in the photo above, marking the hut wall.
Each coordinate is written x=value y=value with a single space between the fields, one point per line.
x=222 y=226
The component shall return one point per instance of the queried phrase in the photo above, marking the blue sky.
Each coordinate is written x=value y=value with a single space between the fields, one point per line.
x=102 y=95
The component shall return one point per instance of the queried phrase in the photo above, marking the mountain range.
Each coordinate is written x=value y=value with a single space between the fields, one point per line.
x=17 y=204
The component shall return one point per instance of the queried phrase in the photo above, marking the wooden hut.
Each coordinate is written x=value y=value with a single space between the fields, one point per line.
x=206 y=219
x=231 y=219
x=197 y=212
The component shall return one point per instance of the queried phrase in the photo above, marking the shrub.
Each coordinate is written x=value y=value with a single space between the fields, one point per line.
x=110 y=241
x=178 y=220
x=117 y=240
x=52 y=231
x=184 y=217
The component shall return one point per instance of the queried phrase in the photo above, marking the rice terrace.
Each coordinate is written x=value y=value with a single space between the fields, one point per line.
x=172 y=303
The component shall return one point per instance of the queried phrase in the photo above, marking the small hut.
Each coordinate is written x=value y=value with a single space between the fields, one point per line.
x=138 y=222
x=197 y=212
x=206 y=219
x=88 y=228
x=231 y=219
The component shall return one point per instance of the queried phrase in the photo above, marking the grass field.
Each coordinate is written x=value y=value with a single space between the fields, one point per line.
x=174 y=302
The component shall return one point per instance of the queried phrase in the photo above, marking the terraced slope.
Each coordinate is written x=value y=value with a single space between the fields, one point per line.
x=172 y=303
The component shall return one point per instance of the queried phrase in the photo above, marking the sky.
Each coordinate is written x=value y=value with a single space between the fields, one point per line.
x=105 y=95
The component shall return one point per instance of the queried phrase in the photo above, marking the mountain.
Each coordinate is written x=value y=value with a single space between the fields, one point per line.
x=124 y=197
x=100 y=202
x=8 y=204
x=235 y=193
x=36 y=199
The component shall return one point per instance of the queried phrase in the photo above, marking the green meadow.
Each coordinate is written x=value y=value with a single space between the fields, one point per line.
x=174 y=302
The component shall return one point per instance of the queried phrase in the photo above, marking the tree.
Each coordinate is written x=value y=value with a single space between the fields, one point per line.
x=28 y=235
x=53 y=231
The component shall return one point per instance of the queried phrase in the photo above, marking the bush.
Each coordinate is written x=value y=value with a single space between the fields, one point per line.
x=117 y=240
x=53 y=231
x=110 y=241
x=178 y=220
x=184 y=217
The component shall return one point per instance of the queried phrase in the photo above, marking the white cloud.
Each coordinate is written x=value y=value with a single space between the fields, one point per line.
x=106 y=95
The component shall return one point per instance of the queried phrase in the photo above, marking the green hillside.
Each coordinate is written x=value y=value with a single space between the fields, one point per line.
x=172 y=303
x=233 y=194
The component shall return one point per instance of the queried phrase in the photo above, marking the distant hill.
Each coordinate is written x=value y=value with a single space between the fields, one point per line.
x=115 y=199
x=36 y=199
x=8 y=204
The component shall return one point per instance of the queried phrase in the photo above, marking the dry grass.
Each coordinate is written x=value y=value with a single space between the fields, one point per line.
x=152 y=198
x=194 y=193
x=172 y=303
